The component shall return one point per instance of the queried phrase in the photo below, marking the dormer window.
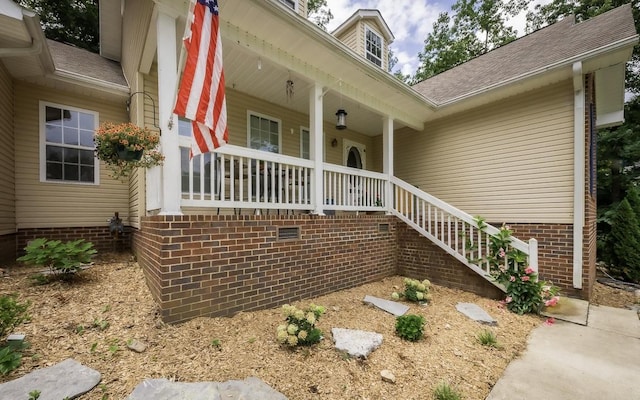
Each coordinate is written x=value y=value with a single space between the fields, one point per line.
x=373 y=47
x=289 y=3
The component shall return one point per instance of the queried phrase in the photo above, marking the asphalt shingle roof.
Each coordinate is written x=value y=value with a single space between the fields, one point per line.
x=85 y=63
x=537 y=51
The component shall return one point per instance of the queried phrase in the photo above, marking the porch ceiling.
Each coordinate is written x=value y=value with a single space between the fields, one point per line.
x=290 y=47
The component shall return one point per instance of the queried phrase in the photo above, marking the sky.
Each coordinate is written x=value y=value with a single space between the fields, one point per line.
x=410 y=21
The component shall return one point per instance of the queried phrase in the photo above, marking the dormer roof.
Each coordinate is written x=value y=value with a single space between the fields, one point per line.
x=366 y=14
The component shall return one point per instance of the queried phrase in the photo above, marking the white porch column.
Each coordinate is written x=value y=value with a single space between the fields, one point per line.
x=578 y=172
x=167 y=81
x=387 y=158
x=316 y=147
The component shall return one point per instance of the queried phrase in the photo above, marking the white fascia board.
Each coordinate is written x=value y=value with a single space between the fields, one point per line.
x=610 y=120
x=88 y=82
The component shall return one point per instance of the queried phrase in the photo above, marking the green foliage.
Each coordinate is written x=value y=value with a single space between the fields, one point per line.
x=68 y=21
x=12 y=313
x=414 y=290
x=10 y=358
x=475 y=27
x=410 y=327
x=61 y=258
x=525 y=292
x=445 y=392
x=487 y=338
x=100 y=324
x=300 y=328
x=34 y=395
x=318 y=11
x=624 y=243
x=217 y=344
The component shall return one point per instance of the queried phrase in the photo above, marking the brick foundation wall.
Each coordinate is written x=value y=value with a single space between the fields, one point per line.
x=98 y=235
x=419 y=258
x=209 y=265
x=7 y=248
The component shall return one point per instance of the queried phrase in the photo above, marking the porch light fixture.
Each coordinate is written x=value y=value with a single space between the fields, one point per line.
x=342 y=119
x=334 y=142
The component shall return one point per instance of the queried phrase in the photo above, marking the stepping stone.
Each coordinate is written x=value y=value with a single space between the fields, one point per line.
x=162 y=389
x=66 y=379
x=476 y=313
x=389 y=306
x=356 y=343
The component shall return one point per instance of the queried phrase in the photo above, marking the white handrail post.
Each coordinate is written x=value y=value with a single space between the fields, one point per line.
x=387 y=160
x=533 y=254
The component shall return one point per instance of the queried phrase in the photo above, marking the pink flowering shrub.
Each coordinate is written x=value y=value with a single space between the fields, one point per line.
x=525 y=292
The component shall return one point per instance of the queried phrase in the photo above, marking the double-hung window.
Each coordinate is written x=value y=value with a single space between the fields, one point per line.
x=67 y=148
x=373 y=47
x=305 y=144
x=264 y=133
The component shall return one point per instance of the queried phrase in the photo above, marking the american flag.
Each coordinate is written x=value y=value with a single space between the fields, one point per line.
x=201 y=95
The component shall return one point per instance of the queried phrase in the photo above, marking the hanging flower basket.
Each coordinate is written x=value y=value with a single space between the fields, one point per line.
x=125 y=147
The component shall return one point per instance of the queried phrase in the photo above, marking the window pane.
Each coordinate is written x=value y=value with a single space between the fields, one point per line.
x=53 y=115
x=71 y=156
x=70 y=136
x=54 y=153
x=86 y=157
x=207 y=173
x=255 y=122
x=54 y=170
x=53 y=133
x=184 y=169
x=86 y=174
x=71 y=119
x=71 y=172
x=87 y=121
x=196 y=174
x=184 y=127
x=86 y=138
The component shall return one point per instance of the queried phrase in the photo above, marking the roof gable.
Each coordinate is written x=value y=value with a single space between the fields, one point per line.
x=372 y=17
x=554 y=46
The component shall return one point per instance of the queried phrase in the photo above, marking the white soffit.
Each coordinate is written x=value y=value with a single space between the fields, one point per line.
x=610 y=96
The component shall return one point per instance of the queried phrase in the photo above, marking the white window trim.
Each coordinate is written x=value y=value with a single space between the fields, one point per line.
x=369 y=28
x=259 y=115
x=43 y=144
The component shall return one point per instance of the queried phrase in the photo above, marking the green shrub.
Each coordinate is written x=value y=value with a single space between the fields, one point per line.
x=624 y=243
x=60 y=258
x=410 y=327
x=445 y=392
x=300 y=328
x=12 y=313
x=414 y=290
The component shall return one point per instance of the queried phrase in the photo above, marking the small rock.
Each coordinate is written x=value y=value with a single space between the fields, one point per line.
x=457 y=352
x=447 y=326
x=136 y=346
x=335 y=308
x=387 y=376
x=637 y=292
x=19 y=337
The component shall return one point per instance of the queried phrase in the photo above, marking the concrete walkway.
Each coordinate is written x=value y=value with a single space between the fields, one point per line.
x=567 y=360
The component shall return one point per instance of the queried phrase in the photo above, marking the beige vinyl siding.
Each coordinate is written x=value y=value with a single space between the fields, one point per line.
x=47 y=204
x=351 y=38
x=136 y=19
x=7 y=160
x=507 y=161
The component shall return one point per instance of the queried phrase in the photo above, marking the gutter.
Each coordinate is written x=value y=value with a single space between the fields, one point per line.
x=93 y=83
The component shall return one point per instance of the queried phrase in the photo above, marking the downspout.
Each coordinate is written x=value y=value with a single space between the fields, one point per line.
x=578 y=172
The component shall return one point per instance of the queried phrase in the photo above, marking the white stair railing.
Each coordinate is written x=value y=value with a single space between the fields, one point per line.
x=453 y=230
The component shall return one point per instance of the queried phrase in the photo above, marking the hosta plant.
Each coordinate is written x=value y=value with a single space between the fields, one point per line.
x=61 y=258
x=414 y=290
x=300 y=327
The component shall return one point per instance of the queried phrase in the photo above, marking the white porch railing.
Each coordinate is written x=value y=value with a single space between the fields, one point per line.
x=351 y=189
x=237 y=177
x=453 y=230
